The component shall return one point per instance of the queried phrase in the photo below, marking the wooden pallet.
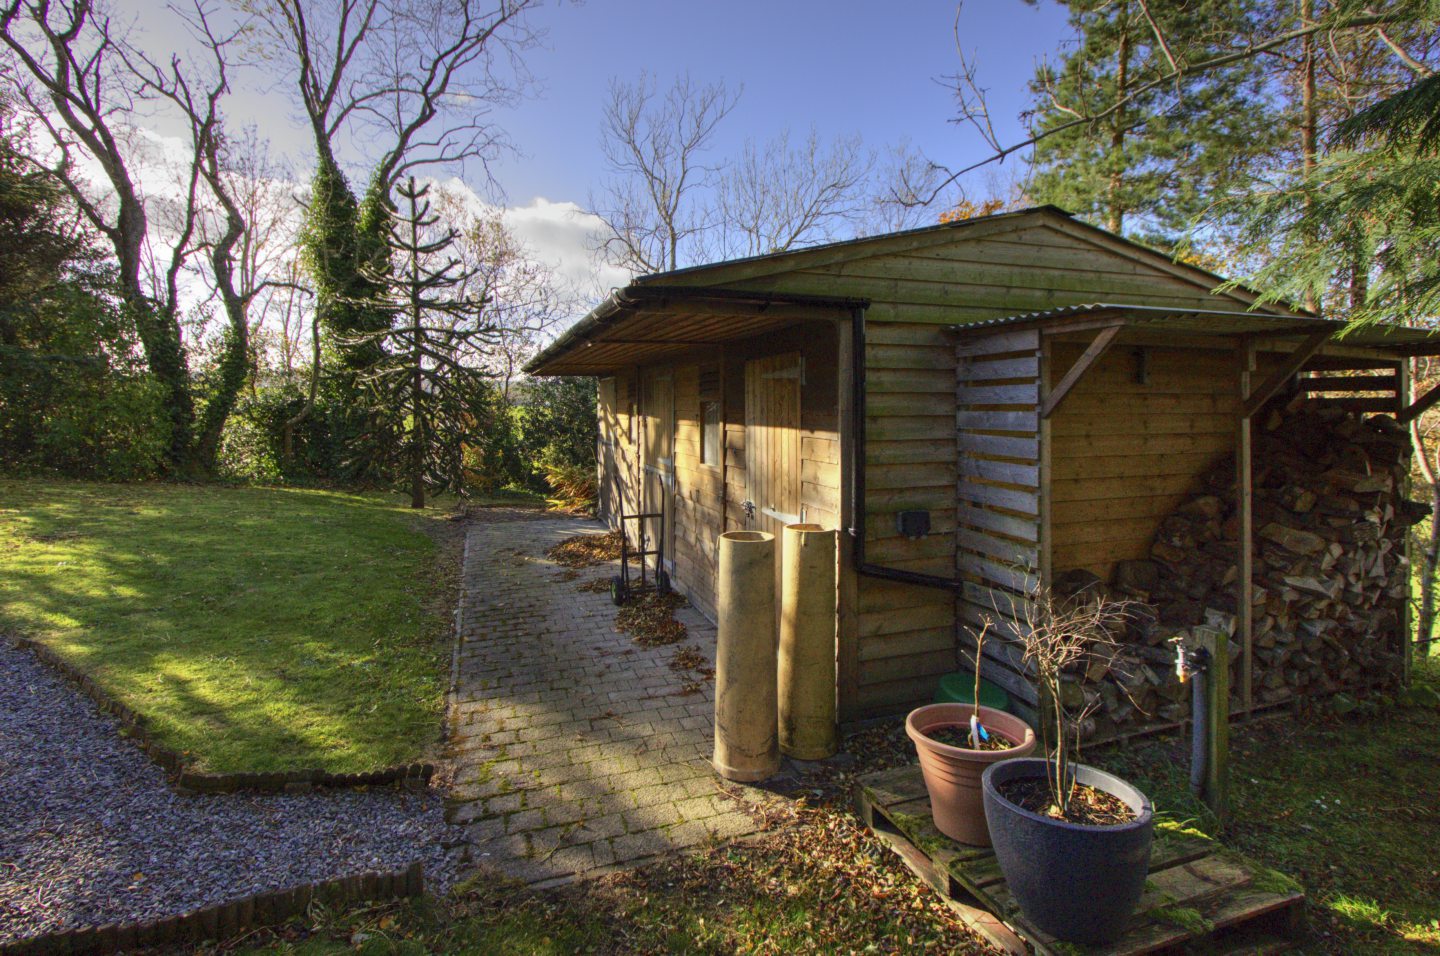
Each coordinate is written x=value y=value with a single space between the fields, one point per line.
x=1200 y=897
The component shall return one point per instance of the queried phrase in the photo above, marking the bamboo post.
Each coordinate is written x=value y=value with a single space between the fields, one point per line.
x=806 y=668
x=746 y=743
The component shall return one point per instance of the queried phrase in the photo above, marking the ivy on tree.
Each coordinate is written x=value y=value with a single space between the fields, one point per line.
x=427 y=376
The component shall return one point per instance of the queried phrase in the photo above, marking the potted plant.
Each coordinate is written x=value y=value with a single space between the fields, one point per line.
x=1072 y=840
x=956 y=742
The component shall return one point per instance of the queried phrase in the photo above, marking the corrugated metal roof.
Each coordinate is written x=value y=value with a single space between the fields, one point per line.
x=1215 y=322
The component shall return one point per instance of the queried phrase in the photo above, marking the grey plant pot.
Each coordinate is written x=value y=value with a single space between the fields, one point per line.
x=1077 y=883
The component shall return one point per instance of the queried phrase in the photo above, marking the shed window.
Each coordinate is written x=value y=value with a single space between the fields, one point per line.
x=710 y=433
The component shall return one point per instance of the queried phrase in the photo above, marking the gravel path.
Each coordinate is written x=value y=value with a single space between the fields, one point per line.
x=90 y=833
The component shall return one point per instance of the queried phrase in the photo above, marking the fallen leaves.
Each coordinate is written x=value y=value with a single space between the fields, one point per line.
x=586 y=550
x=649 y=619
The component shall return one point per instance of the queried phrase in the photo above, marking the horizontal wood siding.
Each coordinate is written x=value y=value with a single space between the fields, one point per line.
x=1125 y=453
x=997 y=550
x=908 y=633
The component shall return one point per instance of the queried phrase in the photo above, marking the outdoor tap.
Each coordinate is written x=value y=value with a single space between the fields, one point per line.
x=1189 y=661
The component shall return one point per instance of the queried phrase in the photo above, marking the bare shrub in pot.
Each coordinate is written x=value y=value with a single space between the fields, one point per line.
x=1059 y=634
x=1076 y=876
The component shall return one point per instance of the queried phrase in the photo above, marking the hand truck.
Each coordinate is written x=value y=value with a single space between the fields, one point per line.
x=622 y=586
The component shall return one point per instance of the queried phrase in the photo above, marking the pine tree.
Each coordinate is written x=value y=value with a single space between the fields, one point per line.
x=427 y=375
x=1155 y=161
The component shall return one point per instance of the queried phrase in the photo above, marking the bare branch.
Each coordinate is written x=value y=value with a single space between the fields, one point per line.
x=1175 y=75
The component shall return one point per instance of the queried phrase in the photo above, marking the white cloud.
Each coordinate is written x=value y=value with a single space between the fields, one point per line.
x=562 y=235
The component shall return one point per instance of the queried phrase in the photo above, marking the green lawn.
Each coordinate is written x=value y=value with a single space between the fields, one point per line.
x=1348 y=806
x=818 y=886
x=257 y=629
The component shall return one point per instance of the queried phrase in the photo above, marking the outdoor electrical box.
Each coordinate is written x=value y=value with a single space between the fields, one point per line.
x=913 y=524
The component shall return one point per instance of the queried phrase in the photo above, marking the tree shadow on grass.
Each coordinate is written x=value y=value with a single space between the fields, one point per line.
x=258 y=629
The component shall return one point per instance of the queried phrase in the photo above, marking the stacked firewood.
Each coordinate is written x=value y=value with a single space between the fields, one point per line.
x=1330 y=576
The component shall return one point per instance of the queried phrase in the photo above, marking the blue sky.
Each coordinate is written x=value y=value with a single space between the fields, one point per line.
x=844 y=66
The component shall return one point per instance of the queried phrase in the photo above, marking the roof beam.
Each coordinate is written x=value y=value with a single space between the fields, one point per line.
x=1089 y=357
x=1288 y=369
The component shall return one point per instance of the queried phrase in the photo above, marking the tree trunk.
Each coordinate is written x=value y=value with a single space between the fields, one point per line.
x=1430 y=551
x=1115 y=216
x=417 y=439
x=417 y=382
x=1309 y=123
x=234 y=362
x=1429 y=558
x=165 y=357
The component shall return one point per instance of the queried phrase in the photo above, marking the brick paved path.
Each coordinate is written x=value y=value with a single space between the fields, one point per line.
x=575 y=750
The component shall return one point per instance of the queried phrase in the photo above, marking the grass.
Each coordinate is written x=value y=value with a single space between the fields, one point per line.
x=819 y=886
x=1347 y=806
x=257 y=629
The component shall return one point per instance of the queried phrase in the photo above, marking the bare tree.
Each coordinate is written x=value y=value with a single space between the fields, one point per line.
x=525 y=303
x=82 y=81
x=667 y=204
x=409 y=83
x=1058 y=635
x=904 y=184
x=778 y=195
x=656 y=204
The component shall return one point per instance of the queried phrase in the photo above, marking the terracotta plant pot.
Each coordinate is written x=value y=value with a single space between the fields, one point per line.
x=952 y=774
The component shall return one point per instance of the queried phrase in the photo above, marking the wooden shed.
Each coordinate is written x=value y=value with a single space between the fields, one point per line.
x=972 y=404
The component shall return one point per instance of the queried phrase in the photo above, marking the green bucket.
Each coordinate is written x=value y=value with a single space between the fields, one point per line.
x=959 y=688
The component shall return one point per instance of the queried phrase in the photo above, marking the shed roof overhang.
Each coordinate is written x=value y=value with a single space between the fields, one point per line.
x=1398 y=341
x=643 y=324
x=1301 y=336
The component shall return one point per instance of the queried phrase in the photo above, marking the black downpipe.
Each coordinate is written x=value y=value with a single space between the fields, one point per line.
x=857 y=472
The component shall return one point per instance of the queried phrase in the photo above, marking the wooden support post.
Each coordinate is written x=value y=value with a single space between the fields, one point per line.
x=1089 y=357
x=1244 y=499
x=1403 y=388
x=1047 y=538
x=847 y=584
x=1215 y=790
x=1250 y=402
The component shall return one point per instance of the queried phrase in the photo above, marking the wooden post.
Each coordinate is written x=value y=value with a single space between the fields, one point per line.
x=1215 y=791
x=1046 y=516
x=847 y=584
x=1403 y=386
x=1244 y=612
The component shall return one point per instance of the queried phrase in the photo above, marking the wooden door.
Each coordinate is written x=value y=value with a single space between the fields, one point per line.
x=657 y=458
x=772 y=446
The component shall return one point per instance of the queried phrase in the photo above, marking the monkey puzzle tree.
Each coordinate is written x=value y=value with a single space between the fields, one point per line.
x=429 y=378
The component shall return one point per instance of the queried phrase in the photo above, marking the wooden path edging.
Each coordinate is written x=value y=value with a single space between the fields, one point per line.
x=223 y=920
x=414 y=776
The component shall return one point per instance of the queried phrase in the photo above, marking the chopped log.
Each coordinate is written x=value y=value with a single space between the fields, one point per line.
x=1330 y=571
